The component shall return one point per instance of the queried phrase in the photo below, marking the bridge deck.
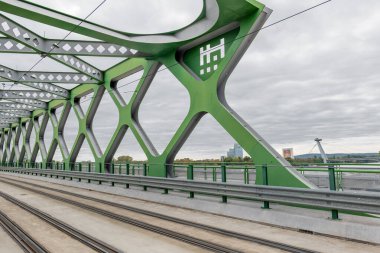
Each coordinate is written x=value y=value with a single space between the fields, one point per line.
x=132 y=239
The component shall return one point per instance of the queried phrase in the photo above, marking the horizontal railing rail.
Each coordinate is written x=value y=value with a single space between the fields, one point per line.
x=362 y=202
x=345 y=176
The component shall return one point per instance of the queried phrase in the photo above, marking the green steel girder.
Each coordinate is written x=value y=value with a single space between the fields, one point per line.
x=201 y=56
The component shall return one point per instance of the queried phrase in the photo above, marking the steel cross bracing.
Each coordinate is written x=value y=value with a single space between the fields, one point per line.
x=22 y=40
x=15 y=113
x=27 y=38
x=200 y=55
x=27 y=94
x=48 y=87
x=44 y=77
x=36 y=104
x=15 y=106
x=5 y=119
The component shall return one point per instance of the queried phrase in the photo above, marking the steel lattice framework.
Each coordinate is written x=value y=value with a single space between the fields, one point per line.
x=201 y=56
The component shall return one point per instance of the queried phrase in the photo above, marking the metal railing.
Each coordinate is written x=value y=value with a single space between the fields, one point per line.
x=347 y=176
x=362 y=202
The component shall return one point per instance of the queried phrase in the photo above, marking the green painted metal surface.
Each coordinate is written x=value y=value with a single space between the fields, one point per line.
x=201 y=56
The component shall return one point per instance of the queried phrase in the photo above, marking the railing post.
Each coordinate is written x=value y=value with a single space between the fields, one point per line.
x=190 y=176
x=64 y=168
x=112 y=172
x=119 y=168
x=265 y=182
x=100 y=167
x=246 y=175
x=223 y=171
x=71 y=166
x=166 y=190
x=332 y=183
x=100 y=171
x=145 y=171
x=89 y=170
x=127 y=172
x=80 y=169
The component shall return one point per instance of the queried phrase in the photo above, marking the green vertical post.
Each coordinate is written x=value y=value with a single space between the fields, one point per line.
x=127 y=172
x=80 y=169
x=112 y=172
x=265 y=182
x=332 y=183
x=223 y=171
x=64 y=168
x=71 y=167
x=119 y=168
x=214 y=174
x=166 y=190
x=100 y=171
x=190 y=176
x=145 y=171
x=89 y=170
x=247 y=175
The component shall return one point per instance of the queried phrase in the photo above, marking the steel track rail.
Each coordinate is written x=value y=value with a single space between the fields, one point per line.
x=90 y=241
x=23 y=239
x=272 y=244
x=162 y=231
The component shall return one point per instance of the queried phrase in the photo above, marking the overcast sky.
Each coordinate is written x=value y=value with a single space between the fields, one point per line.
x=316 y=75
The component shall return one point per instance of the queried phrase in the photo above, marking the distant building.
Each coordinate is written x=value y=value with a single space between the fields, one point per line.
x=287 y=153
x=236 y=151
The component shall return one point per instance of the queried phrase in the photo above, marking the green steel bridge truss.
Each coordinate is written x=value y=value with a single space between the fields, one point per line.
x=201 y=56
